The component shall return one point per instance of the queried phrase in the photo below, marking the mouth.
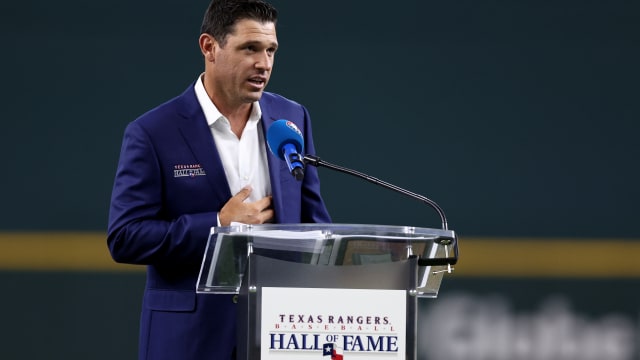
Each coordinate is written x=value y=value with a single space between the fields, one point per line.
x=258 y=81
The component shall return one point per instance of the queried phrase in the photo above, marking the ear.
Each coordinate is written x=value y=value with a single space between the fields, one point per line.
x=208 y=47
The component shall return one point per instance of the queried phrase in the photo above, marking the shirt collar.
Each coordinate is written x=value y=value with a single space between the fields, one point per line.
x=211 y=112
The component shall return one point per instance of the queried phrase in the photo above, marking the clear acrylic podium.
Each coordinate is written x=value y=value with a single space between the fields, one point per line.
x=245 y=259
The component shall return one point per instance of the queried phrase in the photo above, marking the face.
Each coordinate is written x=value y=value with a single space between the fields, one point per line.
x=238 y=73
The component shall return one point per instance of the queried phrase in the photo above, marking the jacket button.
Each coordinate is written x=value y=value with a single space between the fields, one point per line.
x=235 y=299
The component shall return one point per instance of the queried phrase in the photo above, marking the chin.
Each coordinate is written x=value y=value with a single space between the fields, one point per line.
x=254 y=96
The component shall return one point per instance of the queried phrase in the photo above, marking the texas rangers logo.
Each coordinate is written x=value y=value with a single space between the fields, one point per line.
x=330 y=349
x=293 y=127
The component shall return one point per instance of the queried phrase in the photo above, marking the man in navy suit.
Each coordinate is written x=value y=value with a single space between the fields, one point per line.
x=200 y=160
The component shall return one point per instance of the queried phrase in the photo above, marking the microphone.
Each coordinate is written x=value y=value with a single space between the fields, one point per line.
x=286 y=142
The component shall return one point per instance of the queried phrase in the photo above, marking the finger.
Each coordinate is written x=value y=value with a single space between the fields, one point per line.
x=266 y=216
x=264 y=203
x=243 y=194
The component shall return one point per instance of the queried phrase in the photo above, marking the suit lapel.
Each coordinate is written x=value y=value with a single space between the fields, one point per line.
x=275 y=163
x=196 y=133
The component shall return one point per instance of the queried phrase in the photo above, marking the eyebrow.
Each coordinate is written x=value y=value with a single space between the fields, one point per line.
x=260 y=43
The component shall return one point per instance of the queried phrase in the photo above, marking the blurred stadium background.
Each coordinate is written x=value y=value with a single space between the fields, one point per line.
x=518 y=117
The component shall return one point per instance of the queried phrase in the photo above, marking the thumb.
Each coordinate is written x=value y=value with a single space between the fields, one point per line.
x=243 y=194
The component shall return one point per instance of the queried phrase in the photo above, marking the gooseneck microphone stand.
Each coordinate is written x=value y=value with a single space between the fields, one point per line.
x=317 y=162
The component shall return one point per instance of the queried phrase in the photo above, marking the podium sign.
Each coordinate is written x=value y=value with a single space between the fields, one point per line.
x=303 y=323
x=326 y=291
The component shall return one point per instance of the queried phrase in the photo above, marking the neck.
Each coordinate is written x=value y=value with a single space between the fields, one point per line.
x=237 y=113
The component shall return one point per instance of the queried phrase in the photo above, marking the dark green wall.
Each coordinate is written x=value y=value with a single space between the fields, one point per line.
x=518 y=117
x=63 y=316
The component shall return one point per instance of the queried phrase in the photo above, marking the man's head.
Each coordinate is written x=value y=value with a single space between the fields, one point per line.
x=222 y=15
x=239 y=42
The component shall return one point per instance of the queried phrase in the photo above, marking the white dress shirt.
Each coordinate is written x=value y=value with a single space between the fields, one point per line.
x=244 y=159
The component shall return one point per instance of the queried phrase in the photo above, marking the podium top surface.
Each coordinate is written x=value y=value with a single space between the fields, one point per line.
x=337 y=229
x=228 y=248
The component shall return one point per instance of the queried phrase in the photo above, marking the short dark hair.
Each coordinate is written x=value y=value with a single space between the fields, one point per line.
x=222 y=15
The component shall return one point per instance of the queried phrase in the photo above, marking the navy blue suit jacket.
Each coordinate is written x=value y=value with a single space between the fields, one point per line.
x=162 y=219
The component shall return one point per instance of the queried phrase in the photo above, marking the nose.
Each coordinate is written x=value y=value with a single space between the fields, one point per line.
x=264 y=61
